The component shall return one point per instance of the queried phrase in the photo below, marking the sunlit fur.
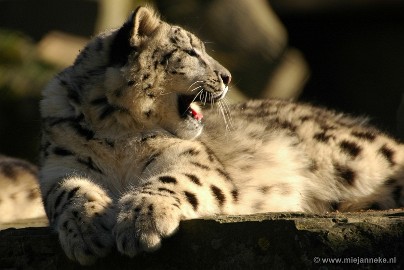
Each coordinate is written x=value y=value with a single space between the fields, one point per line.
x=124 y=162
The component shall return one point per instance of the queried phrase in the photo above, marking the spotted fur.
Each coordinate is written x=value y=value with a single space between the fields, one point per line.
x=127 y=155
x=20 y=197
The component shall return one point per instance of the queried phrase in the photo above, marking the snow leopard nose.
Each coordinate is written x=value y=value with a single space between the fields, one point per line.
x=225 y=76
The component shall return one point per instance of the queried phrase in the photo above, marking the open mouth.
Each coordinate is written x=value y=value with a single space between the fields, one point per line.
x=188 y=108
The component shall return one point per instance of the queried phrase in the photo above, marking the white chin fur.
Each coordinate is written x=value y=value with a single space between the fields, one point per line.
x=189 y=129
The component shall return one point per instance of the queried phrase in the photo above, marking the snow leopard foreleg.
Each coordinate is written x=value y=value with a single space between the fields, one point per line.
x=190 y=183
x=83 y=215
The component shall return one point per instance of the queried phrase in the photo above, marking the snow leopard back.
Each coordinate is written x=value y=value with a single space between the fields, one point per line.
x=346 y=163
x=20 y=196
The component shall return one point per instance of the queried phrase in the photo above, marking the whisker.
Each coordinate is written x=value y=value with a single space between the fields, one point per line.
x=223 y=114
x=194 y=84
x=199 y=93
x=226 y=102
x=225 y=110
x=210 y=96
x=196 y=88
x=211 y=100
x=218 y=108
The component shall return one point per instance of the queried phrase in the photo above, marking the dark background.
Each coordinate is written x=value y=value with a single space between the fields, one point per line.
x=355 y=53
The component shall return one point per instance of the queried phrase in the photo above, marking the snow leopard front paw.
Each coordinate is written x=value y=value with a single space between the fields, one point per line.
x=144 y=220
x=85 y=227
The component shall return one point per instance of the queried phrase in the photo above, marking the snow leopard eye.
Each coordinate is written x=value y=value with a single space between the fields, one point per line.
x=192 y=52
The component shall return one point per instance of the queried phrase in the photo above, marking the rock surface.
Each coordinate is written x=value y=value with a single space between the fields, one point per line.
x=265 y=241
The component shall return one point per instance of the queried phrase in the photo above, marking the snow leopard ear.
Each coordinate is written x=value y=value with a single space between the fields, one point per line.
x=145 y=22
x=140 y=25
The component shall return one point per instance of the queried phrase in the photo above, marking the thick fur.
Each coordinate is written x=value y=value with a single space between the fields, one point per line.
x=20 y=197
x=124 y=163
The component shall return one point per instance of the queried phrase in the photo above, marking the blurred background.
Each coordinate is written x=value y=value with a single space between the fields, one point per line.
x=344 y=54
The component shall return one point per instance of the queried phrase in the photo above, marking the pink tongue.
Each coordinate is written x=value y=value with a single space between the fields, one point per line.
x=196 y=115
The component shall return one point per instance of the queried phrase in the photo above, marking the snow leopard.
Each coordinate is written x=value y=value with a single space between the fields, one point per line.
x=137 y=136
x=20 y=197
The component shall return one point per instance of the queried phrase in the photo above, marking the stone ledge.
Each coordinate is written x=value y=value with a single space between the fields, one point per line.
x=276 y=241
